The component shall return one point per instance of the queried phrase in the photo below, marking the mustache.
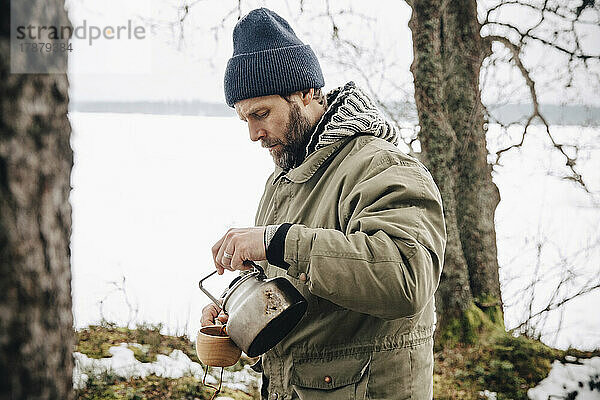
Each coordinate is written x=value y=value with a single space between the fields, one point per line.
x=265 y=143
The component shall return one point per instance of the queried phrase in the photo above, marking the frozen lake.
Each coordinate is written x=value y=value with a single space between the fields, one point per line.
x=152 y=194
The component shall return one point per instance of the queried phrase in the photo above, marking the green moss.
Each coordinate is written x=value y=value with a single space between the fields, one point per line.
x=108 y=387
x=499 y=362
x=495 y=315
x=143 y=353
x=494 y=360
x=95 y=341
x=465 y=328
x=531 y=358
x=492 y=308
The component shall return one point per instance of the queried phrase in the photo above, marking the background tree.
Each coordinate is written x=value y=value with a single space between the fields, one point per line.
x=449 y=51
x=36 y=321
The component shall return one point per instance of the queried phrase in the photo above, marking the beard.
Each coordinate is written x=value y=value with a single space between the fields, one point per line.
x=297 y=134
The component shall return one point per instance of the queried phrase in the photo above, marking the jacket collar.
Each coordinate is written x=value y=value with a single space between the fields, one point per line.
x=307 y=169
x=350 y=113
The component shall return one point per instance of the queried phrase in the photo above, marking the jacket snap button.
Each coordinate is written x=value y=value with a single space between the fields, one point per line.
x=274 y=396
x=327 y=379
x=302 y=277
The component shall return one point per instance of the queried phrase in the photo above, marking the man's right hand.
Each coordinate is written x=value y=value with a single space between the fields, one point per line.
x=212 y=316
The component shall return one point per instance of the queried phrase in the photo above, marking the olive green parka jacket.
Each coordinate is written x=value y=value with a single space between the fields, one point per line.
x=366 y=250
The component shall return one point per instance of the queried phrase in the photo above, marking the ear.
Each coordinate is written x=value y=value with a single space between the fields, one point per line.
x=307 y=95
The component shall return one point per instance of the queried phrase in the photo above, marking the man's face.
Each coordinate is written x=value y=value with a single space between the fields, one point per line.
x=281 y=126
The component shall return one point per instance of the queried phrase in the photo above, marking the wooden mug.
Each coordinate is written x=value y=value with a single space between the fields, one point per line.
x=215 y=348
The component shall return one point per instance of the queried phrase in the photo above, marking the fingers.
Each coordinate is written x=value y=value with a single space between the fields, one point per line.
x=237 y=246
x=223 y=252
x=218 y=251
x=241 y=256
x=233 y=251
x=224 y=256
x=209 y=313
x=222 y=317
x=215 y=252
x=228 y=254
x=236 y=260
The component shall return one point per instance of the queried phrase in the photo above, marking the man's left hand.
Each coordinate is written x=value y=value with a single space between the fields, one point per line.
x=237 y=246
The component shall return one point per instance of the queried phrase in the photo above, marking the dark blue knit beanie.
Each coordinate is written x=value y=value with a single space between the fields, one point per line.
x=268 y=58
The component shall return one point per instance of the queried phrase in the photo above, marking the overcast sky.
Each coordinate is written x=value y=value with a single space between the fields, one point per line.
x=166 y=65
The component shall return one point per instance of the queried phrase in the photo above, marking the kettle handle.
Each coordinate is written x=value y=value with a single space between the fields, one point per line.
x=206 y=292
x=261 y=272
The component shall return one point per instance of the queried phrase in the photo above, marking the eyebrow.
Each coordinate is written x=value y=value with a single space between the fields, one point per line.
x=254 y=110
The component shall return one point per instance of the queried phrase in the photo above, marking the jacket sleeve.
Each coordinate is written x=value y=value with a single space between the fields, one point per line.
x=387 y=259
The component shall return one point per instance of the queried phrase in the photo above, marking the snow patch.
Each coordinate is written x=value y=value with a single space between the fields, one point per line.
x=486 y=394
x=570 y=381
x=176 y=365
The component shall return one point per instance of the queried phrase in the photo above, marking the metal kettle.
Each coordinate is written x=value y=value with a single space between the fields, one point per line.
x=261 y=311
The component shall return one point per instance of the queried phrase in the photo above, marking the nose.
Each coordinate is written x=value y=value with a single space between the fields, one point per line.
x=256 y=132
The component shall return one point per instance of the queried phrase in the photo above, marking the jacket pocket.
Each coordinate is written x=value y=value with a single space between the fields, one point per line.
x=331 y=379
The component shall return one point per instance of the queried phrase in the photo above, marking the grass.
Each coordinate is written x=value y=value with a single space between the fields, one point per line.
x=151 y=388
x=500 y=363
x=95 y=341
x=494 y=361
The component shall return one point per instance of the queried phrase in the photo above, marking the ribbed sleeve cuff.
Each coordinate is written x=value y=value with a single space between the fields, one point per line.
x=275 y=250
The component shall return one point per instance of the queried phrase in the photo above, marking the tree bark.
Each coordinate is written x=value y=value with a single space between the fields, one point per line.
x=36 y=329
x=448 y=51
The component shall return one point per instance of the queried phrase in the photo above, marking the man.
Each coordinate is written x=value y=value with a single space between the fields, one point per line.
x=355 y=224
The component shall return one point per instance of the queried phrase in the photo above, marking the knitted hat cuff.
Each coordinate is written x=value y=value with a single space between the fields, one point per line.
x=273 y=71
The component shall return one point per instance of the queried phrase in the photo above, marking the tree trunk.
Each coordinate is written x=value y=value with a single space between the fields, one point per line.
x=448 y=51
x=36 y=329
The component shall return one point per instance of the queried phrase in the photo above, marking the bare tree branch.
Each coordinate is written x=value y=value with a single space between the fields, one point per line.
x=553 y=306
x=570 y=162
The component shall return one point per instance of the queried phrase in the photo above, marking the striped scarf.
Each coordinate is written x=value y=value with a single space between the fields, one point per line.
x=350 y=112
